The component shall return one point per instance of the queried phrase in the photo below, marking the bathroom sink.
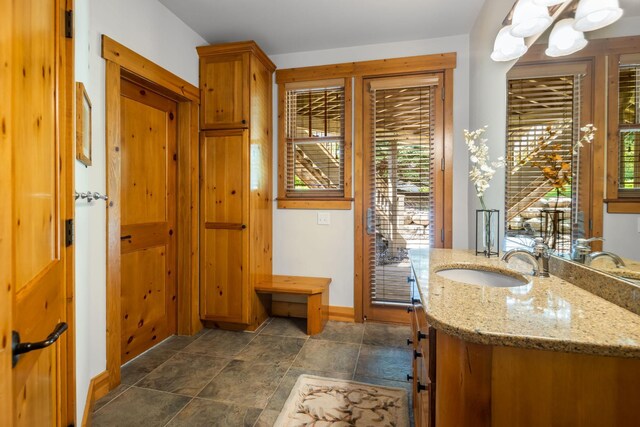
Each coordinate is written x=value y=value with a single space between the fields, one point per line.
x=473 y=276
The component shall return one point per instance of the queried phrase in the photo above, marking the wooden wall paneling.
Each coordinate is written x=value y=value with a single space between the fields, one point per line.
x=6 y=213
x=358 y=205
x=439 y=154
x=596 y=163
x=113 y=139
x=612 y=127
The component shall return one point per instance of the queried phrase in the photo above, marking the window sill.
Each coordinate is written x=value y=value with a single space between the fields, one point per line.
x=299 y=203
x=623 y=206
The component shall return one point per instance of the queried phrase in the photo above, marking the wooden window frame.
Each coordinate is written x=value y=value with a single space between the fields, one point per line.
x=315 y=201
x=616 y=203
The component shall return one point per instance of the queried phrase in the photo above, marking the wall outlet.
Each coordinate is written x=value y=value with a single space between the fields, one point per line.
x=324 y=218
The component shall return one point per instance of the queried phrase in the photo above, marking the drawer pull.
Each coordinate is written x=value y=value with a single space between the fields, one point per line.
x=416 y=354
x=409 y=377
x=409 y=342
x=421 y=336
x=409 y=309
x=421 y=387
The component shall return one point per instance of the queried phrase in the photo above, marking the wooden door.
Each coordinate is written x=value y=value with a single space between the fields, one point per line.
x=403 y=193
x=225 y=91
x=34 y=185
x=148 y=216
x=224 y=292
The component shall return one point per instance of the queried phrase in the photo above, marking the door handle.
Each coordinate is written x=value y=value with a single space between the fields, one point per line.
x=18 y=348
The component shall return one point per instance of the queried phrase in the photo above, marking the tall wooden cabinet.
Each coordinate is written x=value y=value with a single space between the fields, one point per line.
x=235 y=182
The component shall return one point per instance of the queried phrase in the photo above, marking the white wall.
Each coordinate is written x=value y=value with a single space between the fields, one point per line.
x=150 y=29
x=488 y=100
x=300 y=246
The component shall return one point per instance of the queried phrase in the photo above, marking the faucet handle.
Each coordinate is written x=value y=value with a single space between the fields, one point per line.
x=593 y=239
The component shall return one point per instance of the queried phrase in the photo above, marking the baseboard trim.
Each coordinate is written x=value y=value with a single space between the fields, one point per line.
x=342 y=314
x=98 y=387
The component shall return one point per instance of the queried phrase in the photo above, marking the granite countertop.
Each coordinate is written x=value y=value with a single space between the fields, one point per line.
x=546 y=313
x=631 y=270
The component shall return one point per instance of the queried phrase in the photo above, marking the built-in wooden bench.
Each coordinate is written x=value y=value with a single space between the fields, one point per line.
x=316 y=289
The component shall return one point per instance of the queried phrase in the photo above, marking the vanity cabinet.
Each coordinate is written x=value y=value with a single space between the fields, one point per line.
x=424 y=367
x=235 y=183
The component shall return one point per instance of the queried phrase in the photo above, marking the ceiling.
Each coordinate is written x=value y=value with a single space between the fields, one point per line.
x=283 y=26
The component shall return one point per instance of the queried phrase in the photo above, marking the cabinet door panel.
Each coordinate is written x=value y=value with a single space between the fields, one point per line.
x=224 y=91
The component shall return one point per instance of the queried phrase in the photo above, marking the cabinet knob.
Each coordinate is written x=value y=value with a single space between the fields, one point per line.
x=421 y=336
x=244 y=122
x=243 y=226
x=409 y=377
x=421 y=387
x=409 y=342
x=416 y=354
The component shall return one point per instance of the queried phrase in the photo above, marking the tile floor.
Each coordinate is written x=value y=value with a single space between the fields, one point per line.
x=222 y=378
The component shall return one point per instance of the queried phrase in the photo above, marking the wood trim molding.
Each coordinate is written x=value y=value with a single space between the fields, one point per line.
x=139 y=65
x=380 y=67
x=98 y=388
x=121 y=62
x=341 y=314
x=237 y=47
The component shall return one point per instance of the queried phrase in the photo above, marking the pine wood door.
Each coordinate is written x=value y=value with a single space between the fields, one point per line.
x=148 y=216
x=224 y=286
x=225 y=91
x=34 y=187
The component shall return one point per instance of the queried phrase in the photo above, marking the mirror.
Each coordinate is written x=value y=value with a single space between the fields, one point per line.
x=559 y=182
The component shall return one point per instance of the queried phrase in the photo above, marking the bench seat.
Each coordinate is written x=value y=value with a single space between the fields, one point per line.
x=316 y=289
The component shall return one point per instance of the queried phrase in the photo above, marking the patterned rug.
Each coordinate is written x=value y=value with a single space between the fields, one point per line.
x=317 y=401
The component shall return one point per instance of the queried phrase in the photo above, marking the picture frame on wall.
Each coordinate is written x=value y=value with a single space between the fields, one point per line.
x=83 y=125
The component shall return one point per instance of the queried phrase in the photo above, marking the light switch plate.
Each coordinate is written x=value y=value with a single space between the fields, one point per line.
x=324 y=218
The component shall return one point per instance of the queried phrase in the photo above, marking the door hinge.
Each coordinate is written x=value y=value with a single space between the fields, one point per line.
x=68 y=232
x=442 y=235
x=442 y=163
x=68 y=24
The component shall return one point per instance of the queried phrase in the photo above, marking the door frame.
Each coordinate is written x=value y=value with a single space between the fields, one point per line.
x=121 y=62
x=65 y=123
x=391 y=68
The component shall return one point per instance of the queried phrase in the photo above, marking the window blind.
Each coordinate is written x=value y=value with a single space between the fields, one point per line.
x=401 y=176
x=538 y=107
x=629 y=126
x=314 y=123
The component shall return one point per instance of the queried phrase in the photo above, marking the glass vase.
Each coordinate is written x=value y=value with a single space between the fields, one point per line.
x=488 y=232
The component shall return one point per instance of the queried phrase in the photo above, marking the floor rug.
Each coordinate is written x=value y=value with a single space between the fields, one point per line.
x=317 y=401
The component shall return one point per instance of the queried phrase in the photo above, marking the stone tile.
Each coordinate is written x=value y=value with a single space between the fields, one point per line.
x=245 y=383
x=136 y=407
x=267 y=418
x=327 y=356
x=263 y=325
x=386 y=335
x=184 y=373
x=141 y=366
x=178 y=342
x=201 y=412
x=384 y=362
x=220 y=343
x=286 y=385
x=271 y=349
x=110 y=396
x=286 y=327
x=341 y=332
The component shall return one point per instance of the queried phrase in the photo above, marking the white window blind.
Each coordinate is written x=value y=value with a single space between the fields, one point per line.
x=537 y=107
x=402 y=177
x=315 y=126
x=629 y=126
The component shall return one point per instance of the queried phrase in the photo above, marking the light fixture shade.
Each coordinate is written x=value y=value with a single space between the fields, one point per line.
x=564 y=39
x=529 y=19
x=548 y=2
x=507 y=47
x=595 y=14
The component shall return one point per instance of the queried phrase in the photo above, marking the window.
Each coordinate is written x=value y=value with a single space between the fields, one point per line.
x=543 y=127
x=629 y=130
x=315 y=144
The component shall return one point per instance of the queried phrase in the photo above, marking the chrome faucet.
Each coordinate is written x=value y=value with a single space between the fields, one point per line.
x=582 y=248
x=595 y=255
x=538 y=256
